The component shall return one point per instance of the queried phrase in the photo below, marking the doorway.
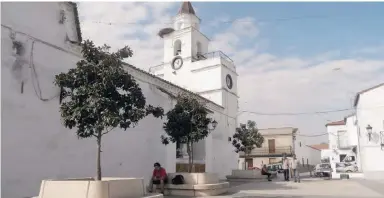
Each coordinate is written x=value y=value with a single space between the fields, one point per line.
x=249 y=163
x=271 y=146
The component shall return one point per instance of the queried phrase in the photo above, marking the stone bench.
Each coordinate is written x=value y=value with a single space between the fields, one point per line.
x=248 y=175
x=108 y=187
x=196 y=185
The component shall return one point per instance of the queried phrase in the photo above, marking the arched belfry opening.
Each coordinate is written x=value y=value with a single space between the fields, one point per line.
x=177 y=48
x=198 y=49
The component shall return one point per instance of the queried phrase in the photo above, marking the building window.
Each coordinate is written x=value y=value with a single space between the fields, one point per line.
x=177 y=48
x=198 y=48
x=342 y=139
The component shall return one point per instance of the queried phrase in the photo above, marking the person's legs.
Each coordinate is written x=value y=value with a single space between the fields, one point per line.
x=298 y=176
x=269 y=176
x=150 y=188
x=162 y=186
x=287 y=174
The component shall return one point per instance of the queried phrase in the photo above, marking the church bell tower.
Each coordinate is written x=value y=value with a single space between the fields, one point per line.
x=211 y=74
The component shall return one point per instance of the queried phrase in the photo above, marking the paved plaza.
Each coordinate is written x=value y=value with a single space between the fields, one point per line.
x=308 y=188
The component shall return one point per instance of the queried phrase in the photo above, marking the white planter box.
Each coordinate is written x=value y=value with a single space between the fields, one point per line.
x=246 y=173
x=89 y=188
x=197 y=185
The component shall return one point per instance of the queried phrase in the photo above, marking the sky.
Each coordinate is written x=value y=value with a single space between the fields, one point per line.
x=290 y=57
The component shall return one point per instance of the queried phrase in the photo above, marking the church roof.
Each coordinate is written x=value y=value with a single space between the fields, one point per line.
x=186 y=8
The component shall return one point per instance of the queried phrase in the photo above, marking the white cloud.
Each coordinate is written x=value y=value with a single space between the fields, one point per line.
x=267 y=82
x=126 y=29
x=370 y=50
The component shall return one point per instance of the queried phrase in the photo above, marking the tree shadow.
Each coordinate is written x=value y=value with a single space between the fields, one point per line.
x=237 y=188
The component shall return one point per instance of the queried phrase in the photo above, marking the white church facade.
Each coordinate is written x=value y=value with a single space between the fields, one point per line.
x=188 y=63
x=36 y=146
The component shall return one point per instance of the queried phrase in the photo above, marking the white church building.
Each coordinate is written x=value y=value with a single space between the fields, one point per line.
x=36 y=146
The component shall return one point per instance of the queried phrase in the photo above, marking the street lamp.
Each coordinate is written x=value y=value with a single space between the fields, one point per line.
x=369 y=131
x=213 y=125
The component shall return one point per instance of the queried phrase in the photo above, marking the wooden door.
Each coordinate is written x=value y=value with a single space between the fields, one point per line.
x=249 y=162
x=271 y=146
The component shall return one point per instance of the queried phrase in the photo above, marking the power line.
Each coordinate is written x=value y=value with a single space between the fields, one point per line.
x=39 y=94
x=213 y=22
x=306 y=113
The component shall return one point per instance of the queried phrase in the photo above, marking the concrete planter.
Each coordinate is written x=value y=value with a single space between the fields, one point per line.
x=246 y=173
x=108 y=187
x=197 y=185
x=197 y=178
x=239 y=175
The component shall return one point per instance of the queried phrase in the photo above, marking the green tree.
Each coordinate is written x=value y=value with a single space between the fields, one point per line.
x=187 y=123
x=98 y=95
x=247 y=138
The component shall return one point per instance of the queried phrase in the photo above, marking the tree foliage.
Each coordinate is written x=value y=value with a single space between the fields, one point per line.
x=99 y=95
x=247 y=138
x=187 y=123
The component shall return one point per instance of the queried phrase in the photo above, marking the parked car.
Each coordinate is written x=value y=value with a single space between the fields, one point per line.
x=322 y=170
x=346 y=167
x=278 y=167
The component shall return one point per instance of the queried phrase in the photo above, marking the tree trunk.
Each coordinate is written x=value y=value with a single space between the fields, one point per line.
x=189 y=157
x=245 y=159
x=98 y=156
x=192 y=167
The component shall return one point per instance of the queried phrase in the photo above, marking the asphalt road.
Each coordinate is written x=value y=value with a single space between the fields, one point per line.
x=308 y=188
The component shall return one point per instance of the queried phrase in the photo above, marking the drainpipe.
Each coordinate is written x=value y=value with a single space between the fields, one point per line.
x=358 y=140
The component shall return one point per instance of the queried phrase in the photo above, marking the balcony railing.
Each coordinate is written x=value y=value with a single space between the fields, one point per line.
x=277 y=151
x=198 y=57
x=212 y=55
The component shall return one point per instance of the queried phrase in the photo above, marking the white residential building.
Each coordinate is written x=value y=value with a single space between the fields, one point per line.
x=315 y=152
x=277 y=142
x=343 y=143
x=36 y=146
x=369 y=106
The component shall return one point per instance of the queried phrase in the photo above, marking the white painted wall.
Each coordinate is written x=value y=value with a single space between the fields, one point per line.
x=370 y=110
x=207 y=78
x=332 y=135
x=314 y=156
x=35 y=144
x=351 y=126
x=326 y=153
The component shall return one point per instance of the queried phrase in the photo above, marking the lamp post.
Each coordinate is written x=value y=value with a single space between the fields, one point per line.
x=369 y=132
x=212 y=126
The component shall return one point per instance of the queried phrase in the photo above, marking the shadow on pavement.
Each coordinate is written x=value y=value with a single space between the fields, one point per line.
x=237 y=187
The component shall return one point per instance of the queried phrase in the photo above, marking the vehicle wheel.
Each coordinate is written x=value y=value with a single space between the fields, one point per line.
x=349 y=171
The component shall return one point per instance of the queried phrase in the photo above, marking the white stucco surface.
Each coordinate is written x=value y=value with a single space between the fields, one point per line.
x=370 y=111
x=207 y=77
x=35 y=145
x=332 y=135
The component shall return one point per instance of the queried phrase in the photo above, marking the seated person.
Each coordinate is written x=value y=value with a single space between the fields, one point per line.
x=159 y=177
x=264 y=171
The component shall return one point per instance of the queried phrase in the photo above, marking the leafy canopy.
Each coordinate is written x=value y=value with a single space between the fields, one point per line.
x=187 y=121
x=99 y=95
x=247 y=137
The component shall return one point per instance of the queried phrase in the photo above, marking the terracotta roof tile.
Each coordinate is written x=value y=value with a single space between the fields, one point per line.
x=319 y=146
x=341 y=122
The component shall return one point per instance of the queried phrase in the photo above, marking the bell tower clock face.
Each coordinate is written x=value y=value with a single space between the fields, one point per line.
x=229 y=82
x=177 y=63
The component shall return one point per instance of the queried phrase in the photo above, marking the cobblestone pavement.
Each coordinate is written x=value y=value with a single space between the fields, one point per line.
x=308 y=188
